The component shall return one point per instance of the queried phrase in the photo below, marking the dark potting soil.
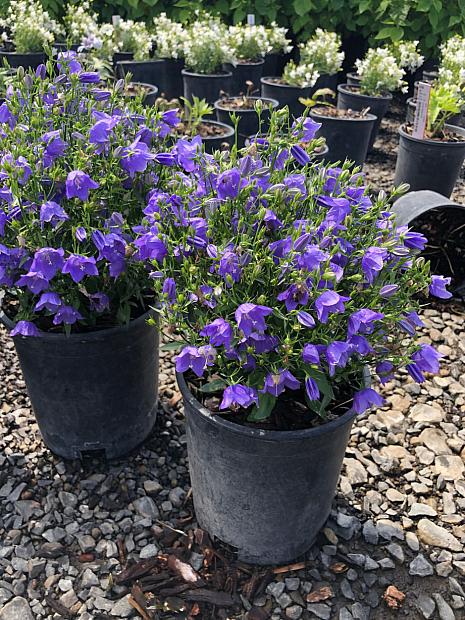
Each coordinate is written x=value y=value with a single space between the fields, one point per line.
x=203 y=129
x=238 y=103
x=136 y=90
x=290 y=413
x=9 y=305
x=331 y=112
x=446 y=135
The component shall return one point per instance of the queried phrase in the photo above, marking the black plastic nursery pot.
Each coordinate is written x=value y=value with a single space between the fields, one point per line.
x=411 y=109
x=206 y=86
x=347 y=138
x=243 y=72
x=348 y=98
x=219 y=142
x=326 y=81
x=266 y=493
x=150 y=93
x=352 y=79
x=160 y=72
x=95 y=393
x=248 y=118
x=429 y=164
x=275 y=63
x=28 y=61
x=121 y=57
x=272 y=88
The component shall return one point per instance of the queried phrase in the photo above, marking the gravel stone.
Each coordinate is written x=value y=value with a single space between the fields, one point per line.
x=16 y=609
x=444 y=609
x=432 y=534
x=420 y=566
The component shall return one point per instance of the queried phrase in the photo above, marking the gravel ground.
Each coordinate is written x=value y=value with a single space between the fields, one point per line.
x=393 y=547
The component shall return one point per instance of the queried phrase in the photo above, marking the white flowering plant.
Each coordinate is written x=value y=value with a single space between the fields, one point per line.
x=452 y=67
x=247 y=42
x=206 y=48
x=379 y=72
x=80 y=21
x=303 y=75
x=277 y=39
x=169 y=37
x=323 y=51
x=407 y=54
x=31 y=28
x=131 y=36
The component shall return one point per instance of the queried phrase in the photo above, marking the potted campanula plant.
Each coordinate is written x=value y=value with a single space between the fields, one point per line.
x=379 y=75
x=434 y=162
x=323 y=51
x=196 y=123
x=283 y=281
x=297 y=82
x=31 y=31
x=75 y=287
x=248 y=46
x=205 y=53
x=169 y=39
x=279 y=47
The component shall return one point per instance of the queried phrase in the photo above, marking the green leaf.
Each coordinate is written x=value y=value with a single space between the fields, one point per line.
x=213 y=386
x=266 y=403
x=301 y=7
x=394 y=33
x=171 y=346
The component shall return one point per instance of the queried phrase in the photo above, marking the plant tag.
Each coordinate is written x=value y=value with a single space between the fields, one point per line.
x=115 y=20
x=251 y=19
x=421 y=112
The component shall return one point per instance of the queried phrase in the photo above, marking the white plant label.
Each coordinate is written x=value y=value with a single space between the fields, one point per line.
x=421 y=111
x=251 y=19
x=115 y=20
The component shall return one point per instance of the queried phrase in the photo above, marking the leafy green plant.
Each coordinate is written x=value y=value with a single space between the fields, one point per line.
x=443 y=104
x=194 y=113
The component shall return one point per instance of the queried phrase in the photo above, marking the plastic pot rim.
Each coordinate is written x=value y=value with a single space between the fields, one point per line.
x=268 y=81
x=436 y=143
x=267 y=100
x=367 y=118
x=346 y=89
x=220 y=124
x=150 y=61
x=244 y=63
x=151 y=88
x=83 y=337
x=223 y=74
x=259 y=434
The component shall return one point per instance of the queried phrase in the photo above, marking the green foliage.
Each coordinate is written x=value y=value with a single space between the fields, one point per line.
x=380 y=21
x=443 y=104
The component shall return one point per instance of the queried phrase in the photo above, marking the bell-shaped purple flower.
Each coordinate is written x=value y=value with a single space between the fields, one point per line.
x=384 y=371
x=310 y=354
x=251 y=318
x=427 y=358
x=337 y=355
x=81 y=234
x=362 y=321
x=25 y=328
x=415 y=240
x=169 y=290
x=300 y=155
x=67 y=315
x=219 y=332
x=329 y=302
x=34 y=281
x=79 y=184
x=373 y=262
x=230 y=267
x=415 y=372
x=388 y=290
x=295 y=295
x=228 y=184
x=305 y=319
x=275 y=384
x=239 y=395
x=195 y=359
x=311 y=387
x=99 y=302
x=50 y=301
x=305 y=128
x=48 y=261
x=52 y=213
x=80 y=266
x=89 y=77
x=135 y=157
x=438 y=287
x=366 y=398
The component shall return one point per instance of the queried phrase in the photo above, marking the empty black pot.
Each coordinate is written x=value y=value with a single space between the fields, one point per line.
x=204 y=86
x=161 y=72
x=347 y=138
x=92 y=393
x=28 y=61
x=286 y=95
x=349 y=99
x=244 y=72
x=353 y=79
x=248 y=118
x=266 y=493
x=429 y=164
